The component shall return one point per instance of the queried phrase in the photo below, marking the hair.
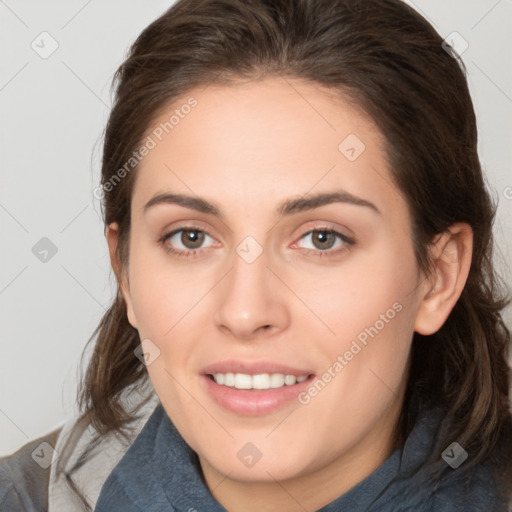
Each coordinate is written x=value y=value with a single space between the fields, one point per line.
x=385 y=57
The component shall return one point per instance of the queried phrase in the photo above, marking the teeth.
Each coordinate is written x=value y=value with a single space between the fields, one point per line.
x=243 y=381
x=277 y=380
x=259 y=381
x=290 y=380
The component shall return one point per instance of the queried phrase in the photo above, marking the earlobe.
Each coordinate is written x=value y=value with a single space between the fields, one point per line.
x=451 y=255
x=112 y=235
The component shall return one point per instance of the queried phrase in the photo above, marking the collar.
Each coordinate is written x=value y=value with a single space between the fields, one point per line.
x=83 y=459
x=159 y=472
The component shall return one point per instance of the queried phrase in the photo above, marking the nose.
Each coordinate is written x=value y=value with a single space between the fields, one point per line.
x=251 y=301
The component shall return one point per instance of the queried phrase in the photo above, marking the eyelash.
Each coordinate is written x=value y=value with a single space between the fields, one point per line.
x=191 y=253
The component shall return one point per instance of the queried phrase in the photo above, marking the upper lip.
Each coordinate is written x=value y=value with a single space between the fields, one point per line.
x=253 y=368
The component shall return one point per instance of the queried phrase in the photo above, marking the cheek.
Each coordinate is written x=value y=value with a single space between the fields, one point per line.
x=365 y=290
x=369 y=307
x=161 y=294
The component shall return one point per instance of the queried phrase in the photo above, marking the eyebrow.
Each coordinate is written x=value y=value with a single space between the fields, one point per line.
x=287 y=207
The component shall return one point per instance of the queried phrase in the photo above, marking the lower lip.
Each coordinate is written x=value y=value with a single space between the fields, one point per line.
x=253 y=402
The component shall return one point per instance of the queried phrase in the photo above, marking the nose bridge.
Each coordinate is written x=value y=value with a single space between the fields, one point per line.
x=251 y=298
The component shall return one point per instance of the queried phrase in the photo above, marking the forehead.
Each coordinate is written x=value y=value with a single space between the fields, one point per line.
x=262 y=141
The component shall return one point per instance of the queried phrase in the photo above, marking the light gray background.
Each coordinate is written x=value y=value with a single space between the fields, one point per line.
x=53 y=112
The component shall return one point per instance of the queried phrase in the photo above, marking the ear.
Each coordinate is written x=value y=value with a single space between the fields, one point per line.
x=112 y=235
x=451 y=255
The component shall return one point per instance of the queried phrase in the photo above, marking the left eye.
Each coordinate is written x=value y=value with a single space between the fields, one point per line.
x=325 y=239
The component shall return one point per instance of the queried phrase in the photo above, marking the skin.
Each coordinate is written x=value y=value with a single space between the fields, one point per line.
x=246 y=148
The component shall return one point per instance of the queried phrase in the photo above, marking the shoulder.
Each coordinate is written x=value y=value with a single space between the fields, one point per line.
x=9 y=497
x=24 y=475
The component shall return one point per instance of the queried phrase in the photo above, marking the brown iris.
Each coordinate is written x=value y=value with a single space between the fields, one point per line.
x=194 y=237
x=326 y=239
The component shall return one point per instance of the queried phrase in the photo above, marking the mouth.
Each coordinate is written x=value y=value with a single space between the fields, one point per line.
x=254 y=389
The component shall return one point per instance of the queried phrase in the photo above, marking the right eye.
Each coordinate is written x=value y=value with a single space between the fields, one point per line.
x=190 y=238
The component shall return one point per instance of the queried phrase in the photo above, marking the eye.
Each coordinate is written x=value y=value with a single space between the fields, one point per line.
x=184 y=241
x=327 y=240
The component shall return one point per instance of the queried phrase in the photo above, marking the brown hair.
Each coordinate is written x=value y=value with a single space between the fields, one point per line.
x=391 y=62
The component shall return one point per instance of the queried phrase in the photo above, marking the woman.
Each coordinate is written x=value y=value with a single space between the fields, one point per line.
x=307 y=315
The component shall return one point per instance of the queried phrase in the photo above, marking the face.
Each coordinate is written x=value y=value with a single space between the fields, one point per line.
x=279 y=299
